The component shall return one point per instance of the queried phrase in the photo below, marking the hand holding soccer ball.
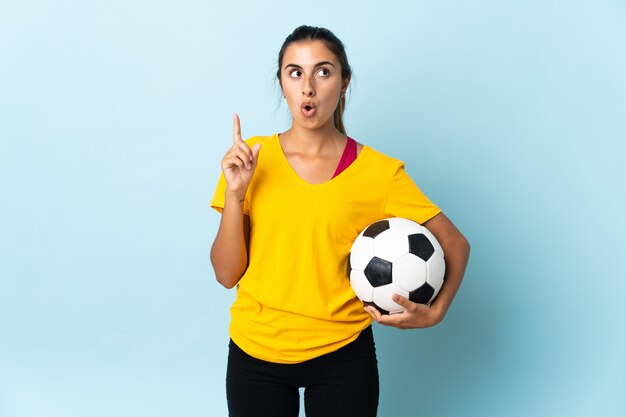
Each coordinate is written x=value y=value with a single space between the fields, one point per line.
x=401 y=257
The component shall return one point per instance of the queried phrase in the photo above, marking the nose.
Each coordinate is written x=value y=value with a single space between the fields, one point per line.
x=307 y=88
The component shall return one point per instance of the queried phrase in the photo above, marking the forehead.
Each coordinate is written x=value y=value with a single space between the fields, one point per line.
x=305 y=53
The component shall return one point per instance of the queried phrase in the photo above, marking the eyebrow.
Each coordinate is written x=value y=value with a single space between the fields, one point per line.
x=319 y=64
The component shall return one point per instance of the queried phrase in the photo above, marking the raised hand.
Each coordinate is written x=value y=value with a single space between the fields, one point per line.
x=239 y=162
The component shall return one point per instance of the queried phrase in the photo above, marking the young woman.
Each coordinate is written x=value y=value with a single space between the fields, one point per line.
x=292 y=204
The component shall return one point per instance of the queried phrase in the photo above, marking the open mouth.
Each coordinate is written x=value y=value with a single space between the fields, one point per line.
x=308 y=110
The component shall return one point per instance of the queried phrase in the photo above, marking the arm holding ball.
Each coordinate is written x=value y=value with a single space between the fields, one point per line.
x=456 y=249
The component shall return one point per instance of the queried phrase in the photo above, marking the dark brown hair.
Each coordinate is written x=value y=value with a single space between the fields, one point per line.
x=311 y=33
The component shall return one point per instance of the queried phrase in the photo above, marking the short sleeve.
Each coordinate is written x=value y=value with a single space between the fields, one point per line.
x=217 y=201
x=405 y=199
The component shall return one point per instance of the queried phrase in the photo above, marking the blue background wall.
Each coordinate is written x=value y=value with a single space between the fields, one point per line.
x=114 y=117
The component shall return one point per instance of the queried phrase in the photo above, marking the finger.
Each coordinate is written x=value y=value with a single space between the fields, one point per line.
x=238 y=156
x=255 y=152
x=368 y=311
x=403 y=301
x=370 y=314
x=241 y=154
x=373 y=312
x=233 y=161
x=395 y=320
x=236 y=129
x=240 y=144
x=410 y=306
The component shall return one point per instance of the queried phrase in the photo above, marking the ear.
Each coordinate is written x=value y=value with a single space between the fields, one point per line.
x=346 y=82
x=282 y=90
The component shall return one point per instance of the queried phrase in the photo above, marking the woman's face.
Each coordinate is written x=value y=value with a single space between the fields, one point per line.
x=311 y=81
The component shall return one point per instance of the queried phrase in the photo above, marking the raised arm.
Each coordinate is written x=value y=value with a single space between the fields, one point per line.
x=229 y=253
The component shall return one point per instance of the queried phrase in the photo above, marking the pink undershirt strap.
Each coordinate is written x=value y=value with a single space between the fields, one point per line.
x=348 y=156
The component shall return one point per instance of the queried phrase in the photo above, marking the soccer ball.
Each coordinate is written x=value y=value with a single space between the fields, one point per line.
x=396 y=256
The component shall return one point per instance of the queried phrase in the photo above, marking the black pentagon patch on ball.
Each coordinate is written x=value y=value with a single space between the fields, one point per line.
x=381 y=310
x=420 y=245
x=375 y=229
x=378 y=272
x=422 y=295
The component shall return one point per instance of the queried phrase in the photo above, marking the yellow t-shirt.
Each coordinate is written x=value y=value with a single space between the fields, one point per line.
x=294 y=302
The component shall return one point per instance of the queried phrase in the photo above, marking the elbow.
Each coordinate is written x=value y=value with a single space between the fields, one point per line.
x=457 y=246
x=226 y=278
x=226 y=283
x=467 y=248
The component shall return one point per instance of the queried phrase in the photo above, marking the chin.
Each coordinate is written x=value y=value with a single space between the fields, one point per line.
x=313 y=123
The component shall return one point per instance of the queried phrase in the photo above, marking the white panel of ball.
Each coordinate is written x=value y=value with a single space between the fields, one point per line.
x=436 y=268
x=405 y=226
x=382 y=298
x=361 y=286
x=433 y=240
x=390 y=245
x=361 y=253
x=409 y=272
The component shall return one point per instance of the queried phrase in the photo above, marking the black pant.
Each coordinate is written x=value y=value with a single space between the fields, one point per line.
x=342 y=383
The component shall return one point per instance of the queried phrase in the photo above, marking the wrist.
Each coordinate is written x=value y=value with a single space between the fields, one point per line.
x=233 y=196
x=437 y=313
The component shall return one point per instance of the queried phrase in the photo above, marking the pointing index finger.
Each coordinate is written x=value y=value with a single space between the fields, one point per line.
x=236 y=129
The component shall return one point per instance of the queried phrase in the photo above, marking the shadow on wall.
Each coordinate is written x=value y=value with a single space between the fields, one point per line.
x=452 y=368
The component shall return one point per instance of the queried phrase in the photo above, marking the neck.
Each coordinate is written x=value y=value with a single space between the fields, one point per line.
x=313 y=142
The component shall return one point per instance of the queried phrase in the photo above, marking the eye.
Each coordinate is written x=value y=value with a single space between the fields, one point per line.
x=295 y=73
x=323 y=72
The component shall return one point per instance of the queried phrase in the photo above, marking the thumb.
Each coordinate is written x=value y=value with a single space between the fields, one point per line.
x=403 y=301
x=255 y=151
